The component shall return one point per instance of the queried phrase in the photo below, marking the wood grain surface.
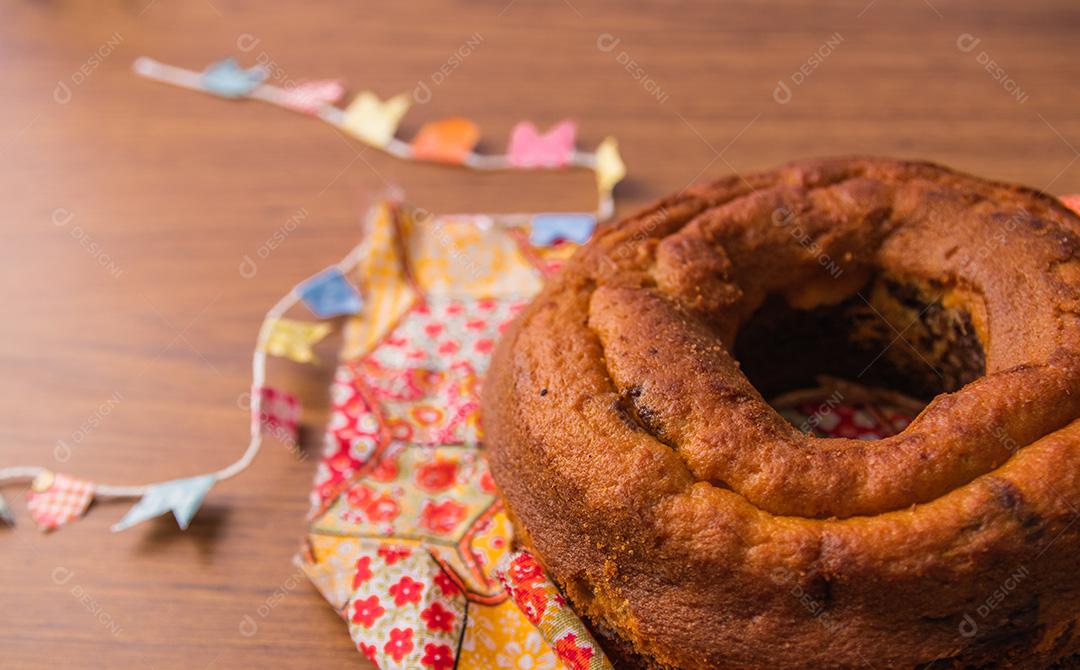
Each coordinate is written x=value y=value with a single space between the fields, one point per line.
x=128 y=207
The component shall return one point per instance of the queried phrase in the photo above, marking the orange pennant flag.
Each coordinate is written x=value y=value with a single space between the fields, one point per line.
x=449 y=141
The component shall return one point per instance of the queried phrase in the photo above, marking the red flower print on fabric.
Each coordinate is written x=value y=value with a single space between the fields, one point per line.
x=366 y=611
x=438 y=617
x=383 y=508
x=399 y=644
x=399 y=429
x=442 y=517
x=438 y=656
x=448 y=347
x=359 y=496
x=524 y=569
x=392 y=553
x=436 y=476
x=363 y=571
x=446 y=584
x=485 y=346
x=532 y=600
x=487 y=482
x=368 y=650
x=575 y=657
x=406 y=590
x=386 y=470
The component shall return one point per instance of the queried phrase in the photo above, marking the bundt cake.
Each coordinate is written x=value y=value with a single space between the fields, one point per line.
x=693 y=527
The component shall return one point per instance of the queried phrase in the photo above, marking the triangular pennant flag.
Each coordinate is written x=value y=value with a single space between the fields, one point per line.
x=54 y=499
x=5 y=513
x=227 y=79
x=293 y=339
x=449 y=140
x=329 y=294
x=529 y=149
x=610 y=168
x=547 y=229
x=181 y=496
x=311 y=96
x=279 y=411
x=373 y=120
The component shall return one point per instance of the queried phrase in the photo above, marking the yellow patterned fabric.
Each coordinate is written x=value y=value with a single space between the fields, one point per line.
x=406 y=528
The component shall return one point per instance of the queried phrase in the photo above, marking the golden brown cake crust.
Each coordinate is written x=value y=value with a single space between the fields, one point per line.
x=697 y=529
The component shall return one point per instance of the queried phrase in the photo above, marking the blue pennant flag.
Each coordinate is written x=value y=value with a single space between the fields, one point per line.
x=5 y=513
x=329 y=294
x=547 y=229
x=181 y=496
x=227 y=79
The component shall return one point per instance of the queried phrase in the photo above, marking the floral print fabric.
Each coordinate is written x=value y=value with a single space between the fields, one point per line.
x=406 y=529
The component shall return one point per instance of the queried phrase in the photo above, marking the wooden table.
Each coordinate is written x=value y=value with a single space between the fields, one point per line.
x=129 y=205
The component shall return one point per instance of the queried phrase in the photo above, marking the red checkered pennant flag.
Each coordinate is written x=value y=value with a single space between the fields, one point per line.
x=54 y=499
x=279 y=413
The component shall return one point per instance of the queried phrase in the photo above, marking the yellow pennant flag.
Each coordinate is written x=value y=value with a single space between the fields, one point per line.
x=292 y=339
x=373 y=120
x=610 y=168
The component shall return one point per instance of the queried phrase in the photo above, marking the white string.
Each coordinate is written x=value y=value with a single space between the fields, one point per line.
x=335 y=116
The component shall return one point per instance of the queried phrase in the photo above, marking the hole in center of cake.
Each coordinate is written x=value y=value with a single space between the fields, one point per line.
x=862 y=367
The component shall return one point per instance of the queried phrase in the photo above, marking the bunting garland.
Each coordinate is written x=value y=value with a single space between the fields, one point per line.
x=375 y=122
x=57 y=499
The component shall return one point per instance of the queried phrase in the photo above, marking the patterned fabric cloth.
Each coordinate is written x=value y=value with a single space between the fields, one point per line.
x=406 y=530
x=407 y=539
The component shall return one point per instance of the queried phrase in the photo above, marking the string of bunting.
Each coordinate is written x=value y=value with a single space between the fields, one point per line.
x=55 y=499
x=375 y=122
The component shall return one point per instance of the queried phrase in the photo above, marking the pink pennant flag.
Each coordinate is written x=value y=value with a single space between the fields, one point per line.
x=279 y=414
x=310 y=96
x=54 y=499
x=530 y=149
